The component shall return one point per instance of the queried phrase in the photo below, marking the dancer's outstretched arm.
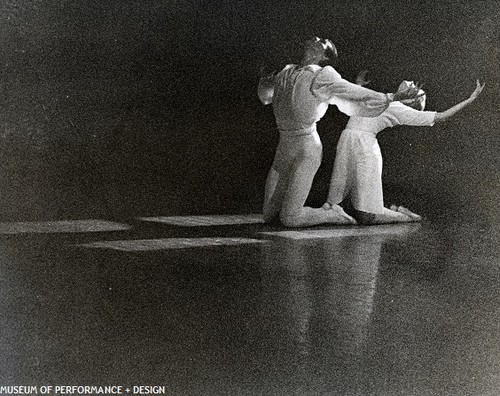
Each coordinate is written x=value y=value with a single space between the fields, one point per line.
x=444 y=115
x=353 y=99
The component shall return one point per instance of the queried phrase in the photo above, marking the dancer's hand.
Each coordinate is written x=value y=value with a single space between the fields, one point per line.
x=477 y=91
x=361 y=78
x=265 y=90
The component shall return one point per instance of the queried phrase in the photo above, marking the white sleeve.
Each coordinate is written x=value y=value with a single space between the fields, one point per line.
x=401 y=114
x=351 y=99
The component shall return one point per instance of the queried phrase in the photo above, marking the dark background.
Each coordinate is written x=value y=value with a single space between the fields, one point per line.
x=134 y=107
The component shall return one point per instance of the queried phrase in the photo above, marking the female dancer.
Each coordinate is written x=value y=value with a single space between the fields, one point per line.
x=300 y=95
x=357 y=171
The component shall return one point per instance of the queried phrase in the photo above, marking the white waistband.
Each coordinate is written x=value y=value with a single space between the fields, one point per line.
x=298 y=132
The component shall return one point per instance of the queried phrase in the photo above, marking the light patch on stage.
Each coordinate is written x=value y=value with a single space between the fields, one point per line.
x=170 y=243
x=60 y=226
x=395 y=230
x=203 y=221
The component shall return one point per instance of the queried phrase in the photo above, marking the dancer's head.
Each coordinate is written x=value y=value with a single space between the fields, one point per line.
x=419 y=102
x=318 y=50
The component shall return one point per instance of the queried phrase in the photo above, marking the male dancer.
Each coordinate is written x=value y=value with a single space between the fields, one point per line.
x=300 y=95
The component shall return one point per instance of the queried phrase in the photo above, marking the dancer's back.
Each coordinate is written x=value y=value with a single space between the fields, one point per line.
x=294 y=104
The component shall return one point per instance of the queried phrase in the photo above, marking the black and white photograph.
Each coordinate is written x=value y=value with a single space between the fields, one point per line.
x=250 y=198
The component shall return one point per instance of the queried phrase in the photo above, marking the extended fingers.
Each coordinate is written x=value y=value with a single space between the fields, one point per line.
x=363 y=73
x=479 y=88
x=361 y=78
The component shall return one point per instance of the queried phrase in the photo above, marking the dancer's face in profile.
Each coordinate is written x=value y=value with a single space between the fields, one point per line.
x=405 y=85
x=417 y=103
x=422 y=100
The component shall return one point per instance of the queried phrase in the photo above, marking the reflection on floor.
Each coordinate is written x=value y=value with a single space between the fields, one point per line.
x=243 y=308
x=388 y=230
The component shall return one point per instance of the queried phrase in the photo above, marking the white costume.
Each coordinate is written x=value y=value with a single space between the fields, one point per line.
x=301 y=97
x=357 y=172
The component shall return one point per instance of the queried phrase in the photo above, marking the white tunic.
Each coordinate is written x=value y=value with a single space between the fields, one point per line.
x=302 y=95
x=357 y=172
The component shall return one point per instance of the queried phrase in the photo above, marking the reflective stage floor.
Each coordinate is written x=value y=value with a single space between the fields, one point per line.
x=225 y=305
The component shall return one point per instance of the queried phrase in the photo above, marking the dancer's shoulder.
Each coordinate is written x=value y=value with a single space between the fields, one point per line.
x=328 y=72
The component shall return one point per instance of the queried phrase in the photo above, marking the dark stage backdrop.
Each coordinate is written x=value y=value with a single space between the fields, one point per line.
x=132 y=107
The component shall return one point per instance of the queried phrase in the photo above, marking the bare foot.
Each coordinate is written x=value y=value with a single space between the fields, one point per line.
x=338 y=215
x=402 y=209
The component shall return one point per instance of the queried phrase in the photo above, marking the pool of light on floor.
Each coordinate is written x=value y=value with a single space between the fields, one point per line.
x=60 y=226
x=204 y=221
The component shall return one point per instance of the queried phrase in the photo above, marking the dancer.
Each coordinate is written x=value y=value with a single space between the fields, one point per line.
x=300 y=95
x=357 y=171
